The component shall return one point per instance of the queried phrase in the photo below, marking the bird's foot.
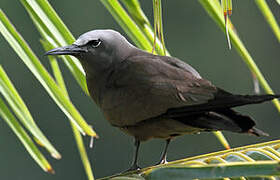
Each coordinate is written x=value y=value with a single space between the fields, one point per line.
x=162 y=161
x=134 y=167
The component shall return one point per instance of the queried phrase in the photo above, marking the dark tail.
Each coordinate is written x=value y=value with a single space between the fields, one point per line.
x=222 y=100
x=223 y=120
x=231 y=100
x=217 y=114
x=225 y=99
x=245 y=123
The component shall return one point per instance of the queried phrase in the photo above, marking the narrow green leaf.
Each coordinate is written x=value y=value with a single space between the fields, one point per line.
x=219 y=135
x=34 y=65
x=214 y=9
x=24 y=138
x=161 y=27
x=143 y=23
x=135 y=11
x=17 y=104
x=49 y=24
x=227 y=170
x=269 y=17
x=77 y=135
x=224 y=5
x=158 y=27
x=83 y=153
x=229 y=7
x=68 y=60
x=56 y=21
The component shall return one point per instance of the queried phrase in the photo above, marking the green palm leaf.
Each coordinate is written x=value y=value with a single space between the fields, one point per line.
x=258 y=160
x=27 y=142
x=33 y=63
x=17 y=104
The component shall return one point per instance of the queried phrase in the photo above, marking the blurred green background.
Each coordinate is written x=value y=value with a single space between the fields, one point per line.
x=190 y=35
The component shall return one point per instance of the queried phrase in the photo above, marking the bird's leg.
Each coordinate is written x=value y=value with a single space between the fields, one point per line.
x=134 y=165
x=164 y=153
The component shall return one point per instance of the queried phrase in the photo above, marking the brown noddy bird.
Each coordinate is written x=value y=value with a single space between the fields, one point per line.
x=150 y=96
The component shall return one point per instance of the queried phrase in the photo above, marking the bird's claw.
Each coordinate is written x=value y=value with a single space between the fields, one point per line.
x=162 y=161
x=134 y=167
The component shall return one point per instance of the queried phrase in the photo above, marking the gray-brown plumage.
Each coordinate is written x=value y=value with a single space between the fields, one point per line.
x=149 y=96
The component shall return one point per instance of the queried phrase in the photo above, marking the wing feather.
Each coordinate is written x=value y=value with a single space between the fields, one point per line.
x=142 y=87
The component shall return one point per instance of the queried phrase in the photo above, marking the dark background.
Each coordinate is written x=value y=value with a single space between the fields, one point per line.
x=190 y=35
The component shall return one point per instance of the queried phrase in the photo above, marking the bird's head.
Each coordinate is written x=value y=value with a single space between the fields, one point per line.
x=96 y=49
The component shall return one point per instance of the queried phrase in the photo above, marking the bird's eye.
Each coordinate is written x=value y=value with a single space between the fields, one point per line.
x=94 y=43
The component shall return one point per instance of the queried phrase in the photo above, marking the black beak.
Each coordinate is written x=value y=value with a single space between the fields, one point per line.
x=67 y=50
